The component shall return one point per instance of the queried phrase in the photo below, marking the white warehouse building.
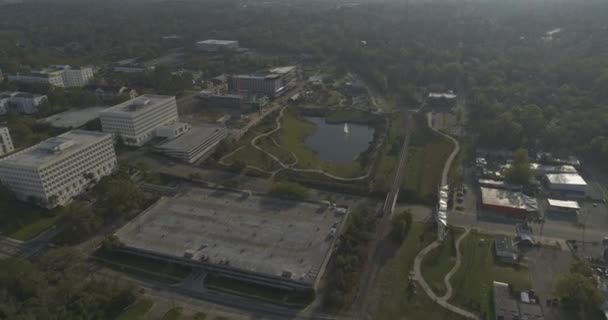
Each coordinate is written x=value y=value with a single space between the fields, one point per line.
x=57 y=169
x=566 y=185
x=6 y=143
x=135 y=121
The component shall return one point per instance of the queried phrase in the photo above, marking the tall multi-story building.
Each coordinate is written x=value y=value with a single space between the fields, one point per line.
x=270 y=83
x=63 y=76
x=57 y=169
x=6 y=143
x=75 y=76
x=135 y=121
x=267 y=85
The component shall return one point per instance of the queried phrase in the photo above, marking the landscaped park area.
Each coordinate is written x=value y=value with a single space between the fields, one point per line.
x=471 y=283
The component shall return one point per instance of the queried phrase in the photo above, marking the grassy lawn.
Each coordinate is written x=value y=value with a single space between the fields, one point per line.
x=253 y=157
x=22 y=220
x=473 y=282
x=427 y=155
x=396 y=298
x=273 y=295
x=291 y=137
x=137 y=310
x=31 y=230
x=439 y=262
x=173 y=314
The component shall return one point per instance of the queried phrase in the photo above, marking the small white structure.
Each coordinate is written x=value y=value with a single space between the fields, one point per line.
x=6 y=143
x=135 y=121
x=57 y=169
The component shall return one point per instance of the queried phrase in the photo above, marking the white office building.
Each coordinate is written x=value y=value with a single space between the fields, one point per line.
x=63 y=76
x=22 y=102
x=135 y=121
x=194 y=144
x=6 y=143
x=57 y=169
x=76 y=76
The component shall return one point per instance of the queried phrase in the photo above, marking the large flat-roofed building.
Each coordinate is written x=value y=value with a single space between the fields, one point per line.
x=195 y=143
x=270 y=241
x=566 y=185
x=217 y=45
x=136 y=120
x=52 y=78
x=6 y=143
x=75 y=118
x=507 y=203
x=57 y=169
x=63 y=76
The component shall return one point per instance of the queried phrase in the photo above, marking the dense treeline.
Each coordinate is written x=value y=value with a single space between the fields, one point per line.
x=58 y=287
x=525 y=88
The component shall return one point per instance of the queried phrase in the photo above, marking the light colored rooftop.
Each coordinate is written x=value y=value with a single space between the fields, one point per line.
x=191 y=138
x=282 y=70
x=566 y=178
x=53 y=149
x=506 y=198
x=444 y=95
x=138 y=104
x=74 y=118
x=218 y=42
x=569 y=204
x=252 y=233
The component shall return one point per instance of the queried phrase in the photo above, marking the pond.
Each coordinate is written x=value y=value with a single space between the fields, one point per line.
x=331 y=143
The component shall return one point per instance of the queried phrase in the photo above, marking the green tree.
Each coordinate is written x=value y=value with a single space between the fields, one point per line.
x=402 y=223
x=79 y=222
x=578 y=293
x=289 y=190
x=520 y=172
x=119 y=196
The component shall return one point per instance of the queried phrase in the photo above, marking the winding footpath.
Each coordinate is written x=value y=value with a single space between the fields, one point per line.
x=443 y=301
x=296 y=160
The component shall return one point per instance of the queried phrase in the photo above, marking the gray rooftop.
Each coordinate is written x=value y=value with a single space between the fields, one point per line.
x=253 y=233
x=218 y=42
x=53 y=149
x=74 y=118
x=138 y=104
x=506 y=198
x=191 y=138
x=504 y=304
x=503 y=243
